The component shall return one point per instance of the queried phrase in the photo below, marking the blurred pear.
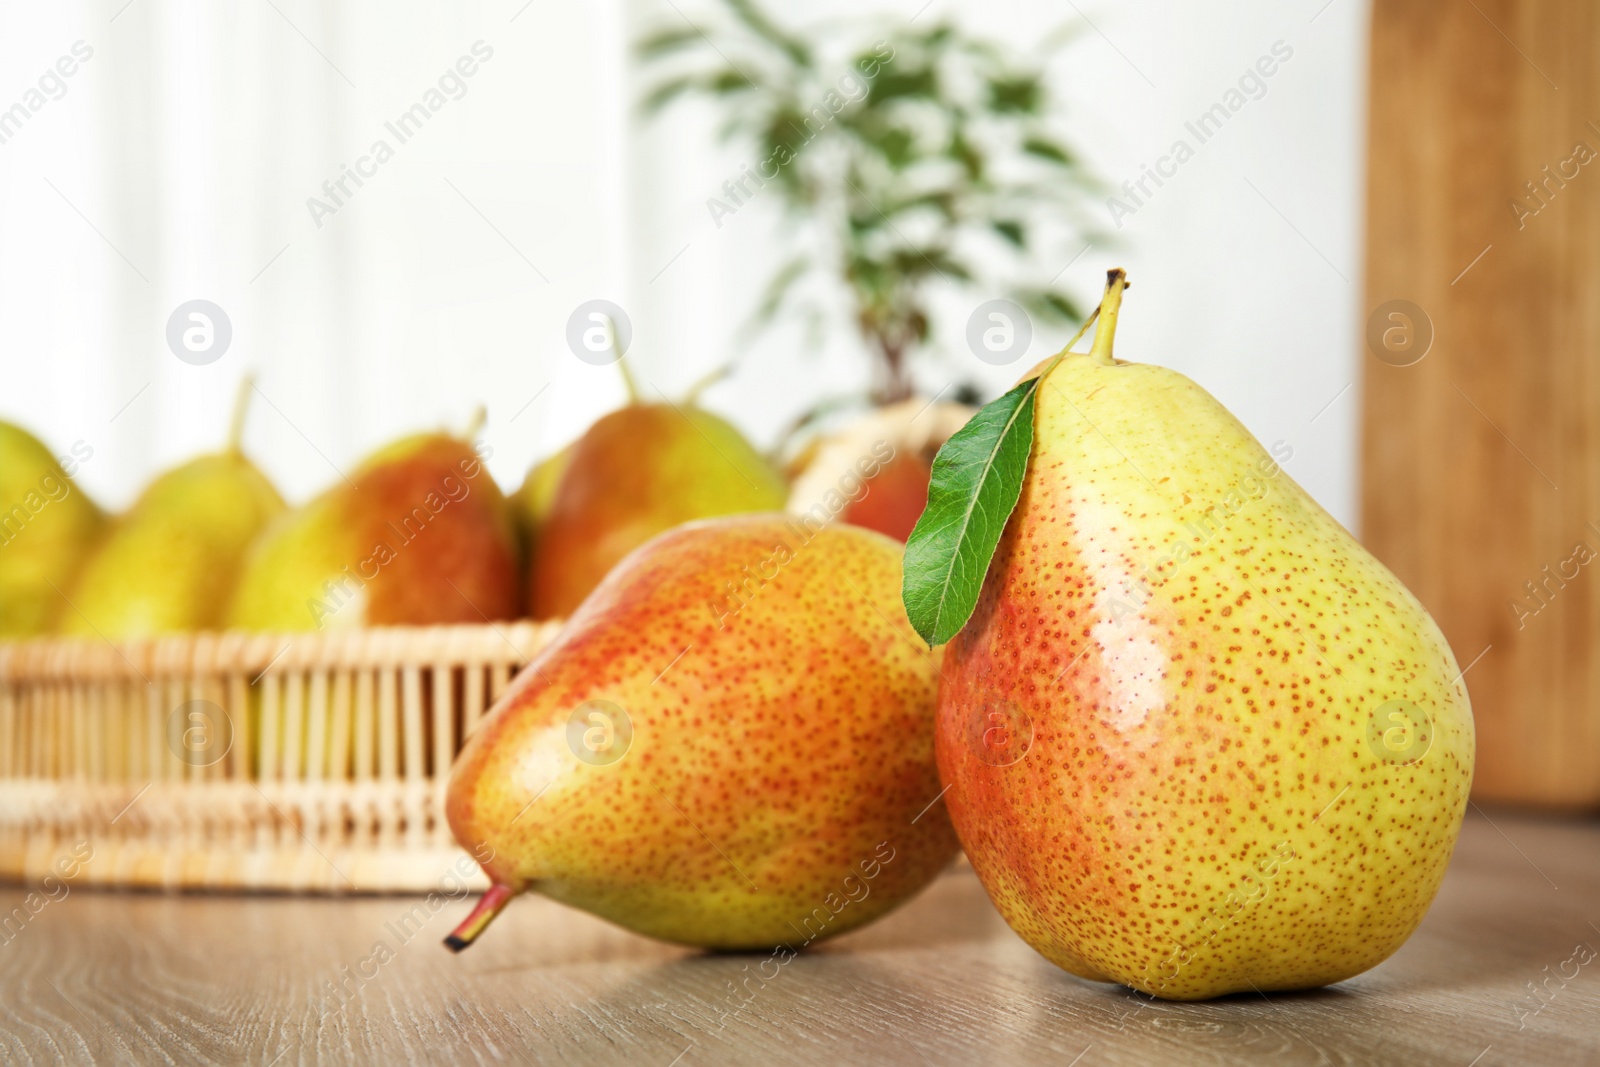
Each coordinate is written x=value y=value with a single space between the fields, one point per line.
x=635 y=473
x=169 y=563
x=533 y=499
x=873 y=469
x=895 y=497
x=47 y=528
x=418 y=534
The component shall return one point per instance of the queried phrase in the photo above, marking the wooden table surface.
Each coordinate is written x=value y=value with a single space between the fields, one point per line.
x=112 y=978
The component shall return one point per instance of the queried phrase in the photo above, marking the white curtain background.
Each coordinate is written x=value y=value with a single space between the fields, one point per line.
x=177 y=162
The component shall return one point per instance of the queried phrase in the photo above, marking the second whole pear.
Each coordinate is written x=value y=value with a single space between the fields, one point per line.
x=1197 y=740
x=716 y=759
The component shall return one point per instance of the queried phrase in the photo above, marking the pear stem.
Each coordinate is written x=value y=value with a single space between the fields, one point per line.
x=241 y=406
x=629 y=382
x=480 y=416
x=492 y=903
x=1110 y=304
x=692 y=397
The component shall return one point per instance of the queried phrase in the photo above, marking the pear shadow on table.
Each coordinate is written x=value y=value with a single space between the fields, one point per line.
x=851 y=1006
x=1324 y=996
x=1123 y=998
x=963 y=912
x=861 y=1008
x=952 y=910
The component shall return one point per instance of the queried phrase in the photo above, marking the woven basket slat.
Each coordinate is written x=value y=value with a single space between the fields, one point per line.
x=92 y=699
x=42 y=734
x=317 y=728
x=271 y=768
x=388 y=726
x=292 y=750
x=137 y=731
x=333 y=780
x=411 y=719
x=366 y=729
x=473 y=697
x=30 y=747
x=165 y=696
x=49 y=737
x=340 y=726
x=22 y=755
x=238 y=700
x=445 y=713
x=74 y=716
x=58 y=752
x=9 y=740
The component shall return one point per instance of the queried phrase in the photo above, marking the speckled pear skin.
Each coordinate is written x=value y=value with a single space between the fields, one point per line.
x=419 y=535
x=1200 y=810
x=772 y=790
x=170 y=562
x=636 y=472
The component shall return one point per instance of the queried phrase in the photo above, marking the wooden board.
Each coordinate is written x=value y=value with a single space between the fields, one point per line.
x=103 y=977
x=1481 y=462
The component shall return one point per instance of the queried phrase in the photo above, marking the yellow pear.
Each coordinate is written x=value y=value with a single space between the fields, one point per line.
x=47 y=528
x=1197 y=740
x=169 y=564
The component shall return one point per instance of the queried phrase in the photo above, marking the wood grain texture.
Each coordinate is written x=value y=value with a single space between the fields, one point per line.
x=1481 y=462
x=100 y=977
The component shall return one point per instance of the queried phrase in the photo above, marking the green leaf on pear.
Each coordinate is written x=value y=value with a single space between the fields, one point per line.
x=977 y=478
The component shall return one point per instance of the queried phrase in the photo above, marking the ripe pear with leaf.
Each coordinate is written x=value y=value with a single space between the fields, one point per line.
x=729 y=745
x=48 y=526
x=1196 y=739
x=642 y=469
x=170 y=562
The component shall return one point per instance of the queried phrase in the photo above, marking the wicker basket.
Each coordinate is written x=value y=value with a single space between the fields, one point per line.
x=312 y=763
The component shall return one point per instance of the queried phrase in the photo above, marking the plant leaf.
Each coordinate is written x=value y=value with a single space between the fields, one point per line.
x=1012 y=230
x=666 y=92
x=1044 y=148
x=730 y=81
x=1016 y=93
x=977 y=478
x=758 y=23
x=668 y=40
x=779 y=285
x=1048 y=304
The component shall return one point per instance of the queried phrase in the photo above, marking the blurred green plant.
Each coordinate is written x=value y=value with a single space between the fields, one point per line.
x=926 y=158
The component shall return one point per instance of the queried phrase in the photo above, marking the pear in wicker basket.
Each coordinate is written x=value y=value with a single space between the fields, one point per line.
x=418 y=534
x=638 y=471
x=168 y=563
x=47 y=527
x=532 y=500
